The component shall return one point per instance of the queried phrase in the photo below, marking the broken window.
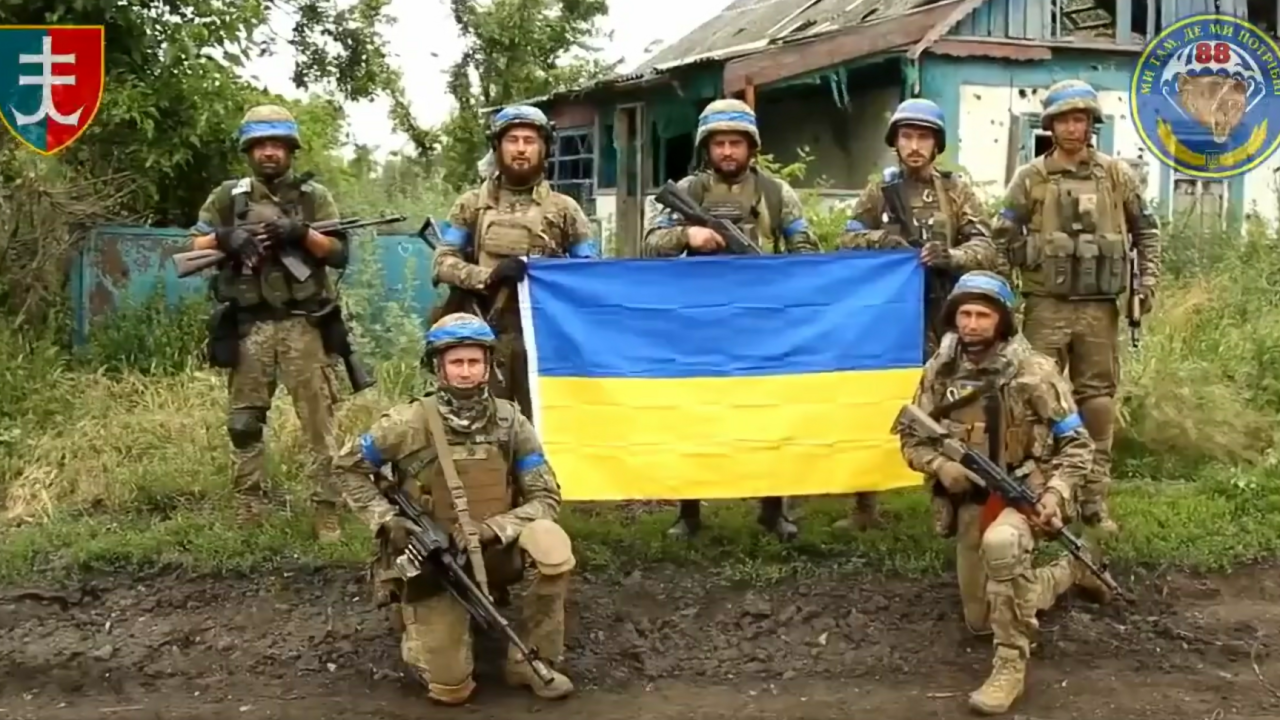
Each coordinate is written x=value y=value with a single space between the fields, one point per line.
x=1263 y=13
x=673 y=158
x=571 y=165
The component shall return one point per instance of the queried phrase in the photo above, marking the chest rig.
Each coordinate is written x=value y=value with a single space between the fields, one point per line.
x=931 y=208
x=482 y=461
x=1076 y=237
x=250 y=202
x=512 y=224
x=754 y=205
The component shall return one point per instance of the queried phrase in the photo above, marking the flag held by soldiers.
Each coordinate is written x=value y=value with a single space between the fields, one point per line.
x=724 y=377
x=51 y=82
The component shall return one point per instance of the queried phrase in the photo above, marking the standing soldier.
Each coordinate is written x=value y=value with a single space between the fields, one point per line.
x=270 y=326
x=766 y=208
x=476 y=467
x=984 y=380
x=1065 y=225
x=947 y=223
x=512 y=215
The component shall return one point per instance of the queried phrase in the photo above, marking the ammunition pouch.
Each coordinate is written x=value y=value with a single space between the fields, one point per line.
x=223 y=347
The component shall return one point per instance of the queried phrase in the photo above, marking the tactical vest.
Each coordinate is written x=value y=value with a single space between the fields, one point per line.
x=247 y=201
x=986 y=425
x=1076 y=241
x=483 y=460
x=754 y=205
x=932 y=209
x=513 y=229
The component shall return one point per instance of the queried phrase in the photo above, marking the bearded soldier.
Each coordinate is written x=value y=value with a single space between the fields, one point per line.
x=948 y=223
x=270 y=326
x=1011 y=404
x=730 y=185
x=462 y=443
x=1065 y=224
x=512 y=215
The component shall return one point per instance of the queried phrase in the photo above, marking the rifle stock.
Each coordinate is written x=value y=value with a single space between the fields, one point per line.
x=1135 y=300
x=987 y=474
x=195 y=261
x=429 y=548
x=678 y=201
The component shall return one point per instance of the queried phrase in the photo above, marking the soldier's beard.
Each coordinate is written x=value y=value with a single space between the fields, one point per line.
x=514 y=177
x=730 y=169
x=274 y=171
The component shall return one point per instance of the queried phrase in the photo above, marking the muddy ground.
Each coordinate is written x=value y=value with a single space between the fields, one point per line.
x=660 y=644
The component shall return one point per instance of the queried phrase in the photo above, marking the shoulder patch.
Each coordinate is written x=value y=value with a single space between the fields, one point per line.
x=505 y=412
x=241 y=186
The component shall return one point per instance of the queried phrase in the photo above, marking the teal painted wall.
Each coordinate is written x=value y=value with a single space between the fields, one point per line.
x=941 y=78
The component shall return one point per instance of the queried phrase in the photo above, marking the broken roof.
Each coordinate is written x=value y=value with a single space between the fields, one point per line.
x=746 y=26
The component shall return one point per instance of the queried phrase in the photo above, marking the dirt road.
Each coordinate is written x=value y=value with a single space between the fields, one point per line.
x=659 y=645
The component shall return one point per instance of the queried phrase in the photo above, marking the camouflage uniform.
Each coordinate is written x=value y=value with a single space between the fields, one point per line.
x=1043 y=441
x=505 y=489
x=1065 y=228
x=943 y=204
x=276 y=318
x=767 y=210
x=493 y=229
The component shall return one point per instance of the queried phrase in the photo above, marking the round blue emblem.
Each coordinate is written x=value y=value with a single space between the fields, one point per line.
x=1206 y=96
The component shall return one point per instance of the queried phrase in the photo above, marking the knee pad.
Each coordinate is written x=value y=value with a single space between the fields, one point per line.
x=548 y=545
x=1003 y=553
x=245 y=427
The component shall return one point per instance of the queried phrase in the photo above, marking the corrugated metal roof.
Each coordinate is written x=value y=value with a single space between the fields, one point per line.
x=746 y=26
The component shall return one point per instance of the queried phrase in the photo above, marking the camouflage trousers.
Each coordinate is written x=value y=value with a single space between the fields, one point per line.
x=1083 y=336
x=1000 y=589
x=437 y=642
x=285 y=351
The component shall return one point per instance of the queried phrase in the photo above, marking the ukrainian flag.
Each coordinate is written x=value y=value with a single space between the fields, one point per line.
x=724 y=377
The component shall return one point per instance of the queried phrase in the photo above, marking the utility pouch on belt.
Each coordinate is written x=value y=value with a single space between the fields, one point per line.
x=224 y=337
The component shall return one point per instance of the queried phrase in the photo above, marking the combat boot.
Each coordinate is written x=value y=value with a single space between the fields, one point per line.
x=865 y=515
x=1084 y=579
x=519 y=674
x=775 y=520
x=689 y=523
x=328 y=523
x=1004 y=686
x=1096 y=515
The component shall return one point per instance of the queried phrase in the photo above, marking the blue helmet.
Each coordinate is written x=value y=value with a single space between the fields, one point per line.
x=1068 y=95
x=514 y=115
x=458 y=329
x=982 y=285
x=918 y=111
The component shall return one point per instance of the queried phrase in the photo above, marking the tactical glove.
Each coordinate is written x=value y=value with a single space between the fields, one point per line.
x=508 y=271
x=237 y=243
x=397 y=530
x=287 y=232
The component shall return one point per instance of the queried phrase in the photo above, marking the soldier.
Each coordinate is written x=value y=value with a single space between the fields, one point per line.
x=983 y=377
x=462 y=443
x=270 y=327
x=512 y=215
x=1064 y=225
x=731 y=186
x=943 y=206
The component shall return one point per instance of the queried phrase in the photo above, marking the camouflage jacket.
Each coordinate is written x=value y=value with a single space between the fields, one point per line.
x=946 y=203
x=466 y=255
x=401 y=441
x=1040 y=420
x=1023 y=210
x=666 y=233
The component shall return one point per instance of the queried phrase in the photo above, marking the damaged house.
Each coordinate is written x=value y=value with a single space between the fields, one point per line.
x=824 y=75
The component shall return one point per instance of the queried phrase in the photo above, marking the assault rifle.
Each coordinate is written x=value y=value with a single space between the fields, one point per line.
x=986 y=473
x=679 y=202
x=429 y=548
x=460 y=300
x=938 y=283
x=193 y=261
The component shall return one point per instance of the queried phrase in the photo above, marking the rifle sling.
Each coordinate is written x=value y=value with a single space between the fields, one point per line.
x=457 y=494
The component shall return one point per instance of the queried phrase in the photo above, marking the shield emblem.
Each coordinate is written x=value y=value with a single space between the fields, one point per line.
x=51 y=80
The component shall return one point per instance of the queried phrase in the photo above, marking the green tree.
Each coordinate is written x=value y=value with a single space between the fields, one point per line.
x=515 y=50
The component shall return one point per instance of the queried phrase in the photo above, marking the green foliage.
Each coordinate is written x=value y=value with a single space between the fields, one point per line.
x=515 y=50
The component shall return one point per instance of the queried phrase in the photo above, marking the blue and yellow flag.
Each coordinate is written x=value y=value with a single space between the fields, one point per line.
x=724 y=377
